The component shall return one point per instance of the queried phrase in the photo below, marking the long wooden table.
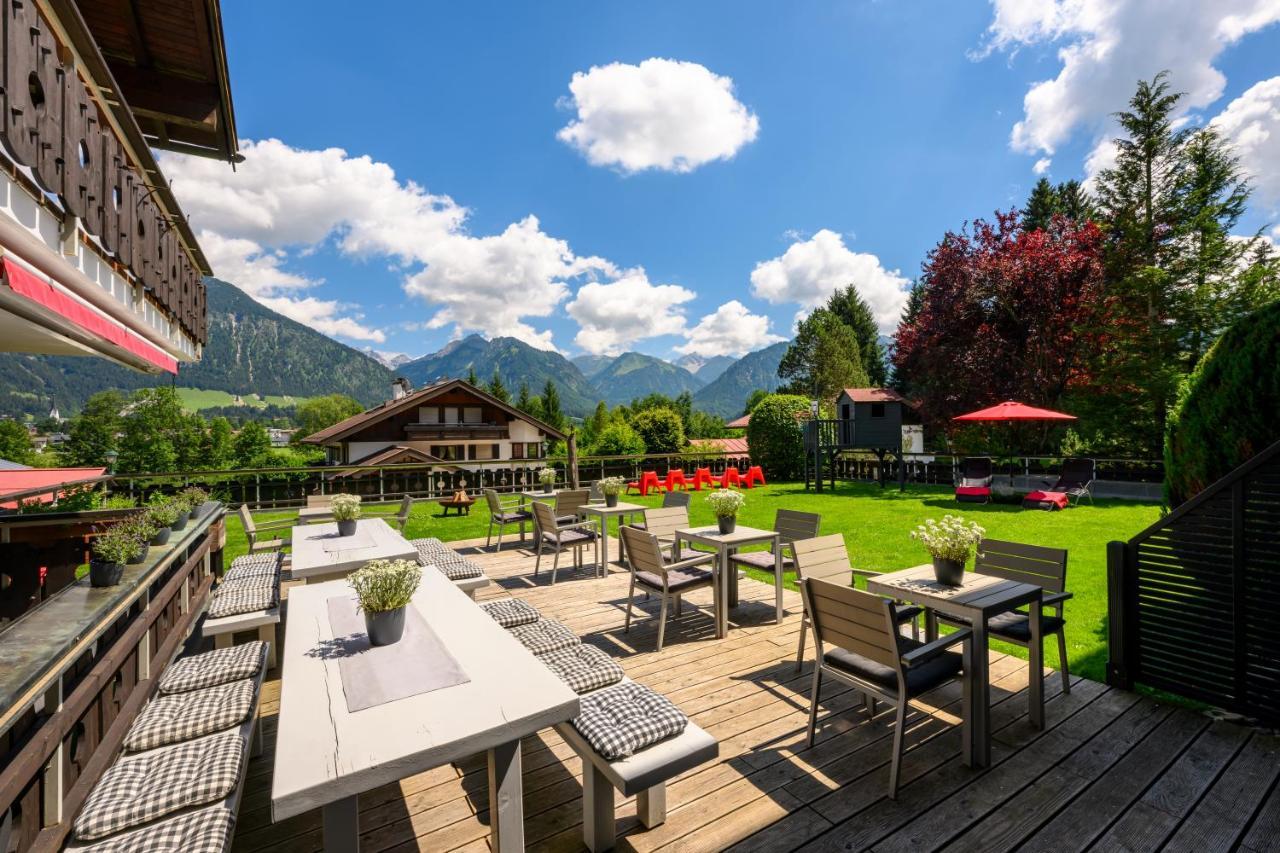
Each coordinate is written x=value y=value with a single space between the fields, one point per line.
x=326 y=756
x=975 y=600
x=320 y=554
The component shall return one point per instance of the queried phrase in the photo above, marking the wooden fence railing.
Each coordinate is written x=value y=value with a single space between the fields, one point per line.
x=75 y=671
x=1192 y=598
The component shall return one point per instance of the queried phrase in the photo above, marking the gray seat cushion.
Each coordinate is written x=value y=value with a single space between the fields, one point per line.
x=235 y=599
x=571 y=537
x=176 y=717
x=677 y=581
x=544 y=636
x=255 y=566
x=207 y=830
x=510 y=612
x=760 y=560
x=512 y=517
x=210 y=669
x=1017 y=626
x=583 y=668
x=922 y=677
x=626 y=718
x=161 y=782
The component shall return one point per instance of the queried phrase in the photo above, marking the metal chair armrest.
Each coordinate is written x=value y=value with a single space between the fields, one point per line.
x=590 y=522
x=274 y=525
x=932 y=650
x=1056 y=598
x=690 y=562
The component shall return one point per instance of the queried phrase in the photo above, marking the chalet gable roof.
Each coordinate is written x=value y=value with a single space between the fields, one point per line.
x=343 y=429
x=877 y=395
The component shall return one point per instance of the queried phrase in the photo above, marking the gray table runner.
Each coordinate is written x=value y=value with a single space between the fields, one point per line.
x=374 y=675
x=332 y=542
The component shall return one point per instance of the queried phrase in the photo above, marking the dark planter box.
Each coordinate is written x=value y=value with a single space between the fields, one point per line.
x=948 y=572
x=181 y=521
x=727 y=523
x=161 y=537
x=104 y=574
x=384 y=628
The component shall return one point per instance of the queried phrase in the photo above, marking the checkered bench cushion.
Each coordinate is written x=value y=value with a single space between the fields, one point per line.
x=510 y=612
x=210 y=669
x=205 y=831
x=254 y=566
x=544 y=636
x=162 y=782
x=454 y=566
x=626 y=718
x=184 y=716
x=234 y=599
x=584 y=668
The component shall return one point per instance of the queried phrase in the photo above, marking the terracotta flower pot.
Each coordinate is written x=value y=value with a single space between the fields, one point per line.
x=948 y=572
x=384 y=628
x=104 y=574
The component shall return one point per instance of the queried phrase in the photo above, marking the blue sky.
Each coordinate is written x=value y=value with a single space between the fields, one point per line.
x=415 y=172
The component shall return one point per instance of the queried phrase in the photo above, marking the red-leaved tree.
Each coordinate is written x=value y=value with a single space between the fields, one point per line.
x=1005 y=314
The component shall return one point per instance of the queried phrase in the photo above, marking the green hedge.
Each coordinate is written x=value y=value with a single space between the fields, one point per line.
x=775 y=437
x=1229 y=407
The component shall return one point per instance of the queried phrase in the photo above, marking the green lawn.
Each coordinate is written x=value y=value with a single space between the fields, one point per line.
x=876 y=526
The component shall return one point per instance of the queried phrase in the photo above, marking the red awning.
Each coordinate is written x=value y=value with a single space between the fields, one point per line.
x=25 y=283
x=1011 y=411
x=22 y=480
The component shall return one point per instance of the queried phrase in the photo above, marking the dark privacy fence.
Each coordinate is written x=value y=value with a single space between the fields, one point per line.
x=1193 y=597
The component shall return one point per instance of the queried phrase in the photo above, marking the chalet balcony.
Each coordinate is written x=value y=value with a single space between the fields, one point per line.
x=452 y=432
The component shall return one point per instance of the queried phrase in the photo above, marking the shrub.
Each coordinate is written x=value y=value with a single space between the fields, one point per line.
x=661 y=430
x=383 y=585
x=1227 y=409
x=775 y=436
x=618 y=439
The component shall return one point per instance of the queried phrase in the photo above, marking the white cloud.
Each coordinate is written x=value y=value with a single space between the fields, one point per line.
x=1042 y=165
x=1252 y=124
x=661 y=114
x=283 y=203
x=730 y=330
x=490 y=283
x=1106 y=46
x=615 y=314
x=811 y=270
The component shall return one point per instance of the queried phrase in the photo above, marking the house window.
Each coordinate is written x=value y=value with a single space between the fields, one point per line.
x=844 y=412
x=451 y=414
x=534 y=450
x=877 y=410
x=429 y=415
x=482 y=452
x=449 y=452
x=517 y=450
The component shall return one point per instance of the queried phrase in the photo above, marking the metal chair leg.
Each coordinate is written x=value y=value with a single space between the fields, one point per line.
x=1062 y=661
x=897 y=748
x=869 y=702
x=631 y=594
x=813 y=701
x=555 y=564
x=804 y=629
x=662 y=620
x=538 y=562
x=489 y=535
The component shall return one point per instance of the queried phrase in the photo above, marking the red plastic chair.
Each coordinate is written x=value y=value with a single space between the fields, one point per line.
x=676 y=480
x=731 y=478
x=755 y=475
x=702 y=477
x=648 y=481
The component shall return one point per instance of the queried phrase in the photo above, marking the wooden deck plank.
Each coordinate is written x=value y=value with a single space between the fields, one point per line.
x=1106 y=760
x=1223 y=814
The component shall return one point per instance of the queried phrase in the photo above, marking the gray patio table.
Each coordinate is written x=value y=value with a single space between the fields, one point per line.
x=319 y=553
x=536 y=495
x=604 y=512
x=725 y=544
x=977 y=599
x=326 y=756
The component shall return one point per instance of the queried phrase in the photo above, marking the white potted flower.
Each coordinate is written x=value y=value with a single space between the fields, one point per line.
x=383 y=589
x=346 y=509
x=611 y=487
x=547 y=477
x=725 y=503
x=951 y=543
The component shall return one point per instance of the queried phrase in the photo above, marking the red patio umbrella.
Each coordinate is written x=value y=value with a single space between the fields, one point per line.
x=1013 y=411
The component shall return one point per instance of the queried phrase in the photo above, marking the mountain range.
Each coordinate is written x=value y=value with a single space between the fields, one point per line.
x=254 y=350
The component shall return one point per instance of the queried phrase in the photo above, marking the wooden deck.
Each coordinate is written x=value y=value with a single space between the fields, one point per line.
x=1112 y=771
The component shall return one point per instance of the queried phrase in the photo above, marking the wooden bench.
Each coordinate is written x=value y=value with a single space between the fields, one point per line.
x=643 y=774
x=263 y=622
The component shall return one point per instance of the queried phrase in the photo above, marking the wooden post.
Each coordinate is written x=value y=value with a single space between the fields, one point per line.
x=573 y=458
x=1119 y=671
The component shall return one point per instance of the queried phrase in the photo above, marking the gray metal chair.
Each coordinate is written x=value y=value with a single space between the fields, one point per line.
x=1044 y=567
x=791 y=526
x=651 y=571
x=561 y=534
x=401 y=516
x=669 y=500
x=867 y=652
x=825 y=558
x=503 y=515
x=570 y=502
